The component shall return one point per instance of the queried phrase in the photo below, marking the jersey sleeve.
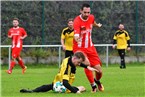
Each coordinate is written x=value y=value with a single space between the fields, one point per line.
x=93 y=19
x=77 y=26
x=62 y=34
x=127 y=36
x=9 y=32
x=83 y=65
x=69 y=87
x=24 y=32
x=115 y=37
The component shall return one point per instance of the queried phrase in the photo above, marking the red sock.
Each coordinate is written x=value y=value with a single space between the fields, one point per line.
x=89 y=75
x=21 y=63
x=98 y=76
x=12 y=64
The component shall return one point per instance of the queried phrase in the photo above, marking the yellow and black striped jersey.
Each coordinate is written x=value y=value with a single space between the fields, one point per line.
x=68 y=36
x=121 y=37
x=67 y=71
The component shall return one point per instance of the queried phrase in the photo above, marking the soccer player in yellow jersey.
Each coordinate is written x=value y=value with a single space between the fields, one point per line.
x=122 y=39
x=66 y=75
x=67 y=38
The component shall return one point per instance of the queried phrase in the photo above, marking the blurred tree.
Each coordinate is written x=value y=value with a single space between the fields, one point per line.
x=56 y=13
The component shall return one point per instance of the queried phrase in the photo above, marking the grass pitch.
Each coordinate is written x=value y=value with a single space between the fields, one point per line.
x=129 y=82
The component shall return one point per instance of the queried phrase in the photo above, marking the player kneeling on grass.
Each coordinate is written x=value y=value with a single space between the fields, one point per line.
x=66 y=75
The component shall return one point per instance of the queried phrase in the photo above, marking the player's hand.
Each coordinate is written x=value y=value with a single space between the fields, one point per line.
x=9 y=36
x=92 y=69
x=79 y=41
x=128 y=48
x=78 y=92
x=99 y=25
x=113 y=46
x=64 y=48
x=22 y=37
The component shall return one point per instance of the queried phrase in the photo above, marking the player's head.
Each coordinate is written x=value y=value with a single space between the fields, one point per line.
x=15 y=22
x=85 y=11
x=121 y=26
x=78 y=58
x=70 y=23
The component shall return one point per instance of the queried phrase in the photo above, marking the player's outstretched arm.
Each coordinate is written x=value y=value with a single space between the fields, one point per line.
x=69 y=87
x=62 y=43
x=113 y=45
x=88 y=67
x=97 y=24
x=92 y=69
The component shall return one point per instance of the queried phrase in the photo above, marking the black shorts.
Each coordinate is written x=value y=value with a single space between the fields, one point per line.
x=121 y=52
x=68 y=53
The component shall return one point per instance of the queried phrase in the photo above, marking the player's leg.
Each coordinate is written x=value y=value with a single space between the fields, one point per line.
x=20 y=61
x=123 y=58
x=98 y=77
x=90 y=76
x=43 y=88
x=121 y=53
x=96 y=63
x=12 y=63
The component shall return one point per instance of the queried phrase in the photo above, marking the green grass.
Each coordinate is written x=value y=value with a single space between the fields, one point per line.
x=129 y=82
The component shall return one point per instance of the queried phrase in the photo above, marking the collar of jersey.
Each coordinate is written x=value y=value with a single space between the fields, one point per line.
x=83 y=19
x=16 y=28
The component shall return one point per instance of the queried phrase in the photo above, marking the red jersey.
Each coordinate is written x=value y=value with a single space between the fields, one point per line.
x=16 y=33
x=83 y=29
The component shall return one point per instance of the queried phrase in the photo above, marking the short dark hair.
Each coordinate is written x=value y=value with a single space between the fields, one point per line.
x=121 y=24
x=85 y=5
x=16 y=19
x=79 y=55
x=70 y=19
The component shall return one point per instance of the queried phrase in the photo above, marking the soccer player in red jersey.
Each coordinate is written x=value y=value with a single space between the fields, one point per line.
x=83 y=25
x=17 y=34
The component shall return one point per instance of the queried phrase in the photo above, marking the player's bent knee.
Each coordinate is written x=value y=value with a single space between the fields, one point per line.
x=98 y=67
x=100 y=71
x=14 y=58
x=19 y=58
